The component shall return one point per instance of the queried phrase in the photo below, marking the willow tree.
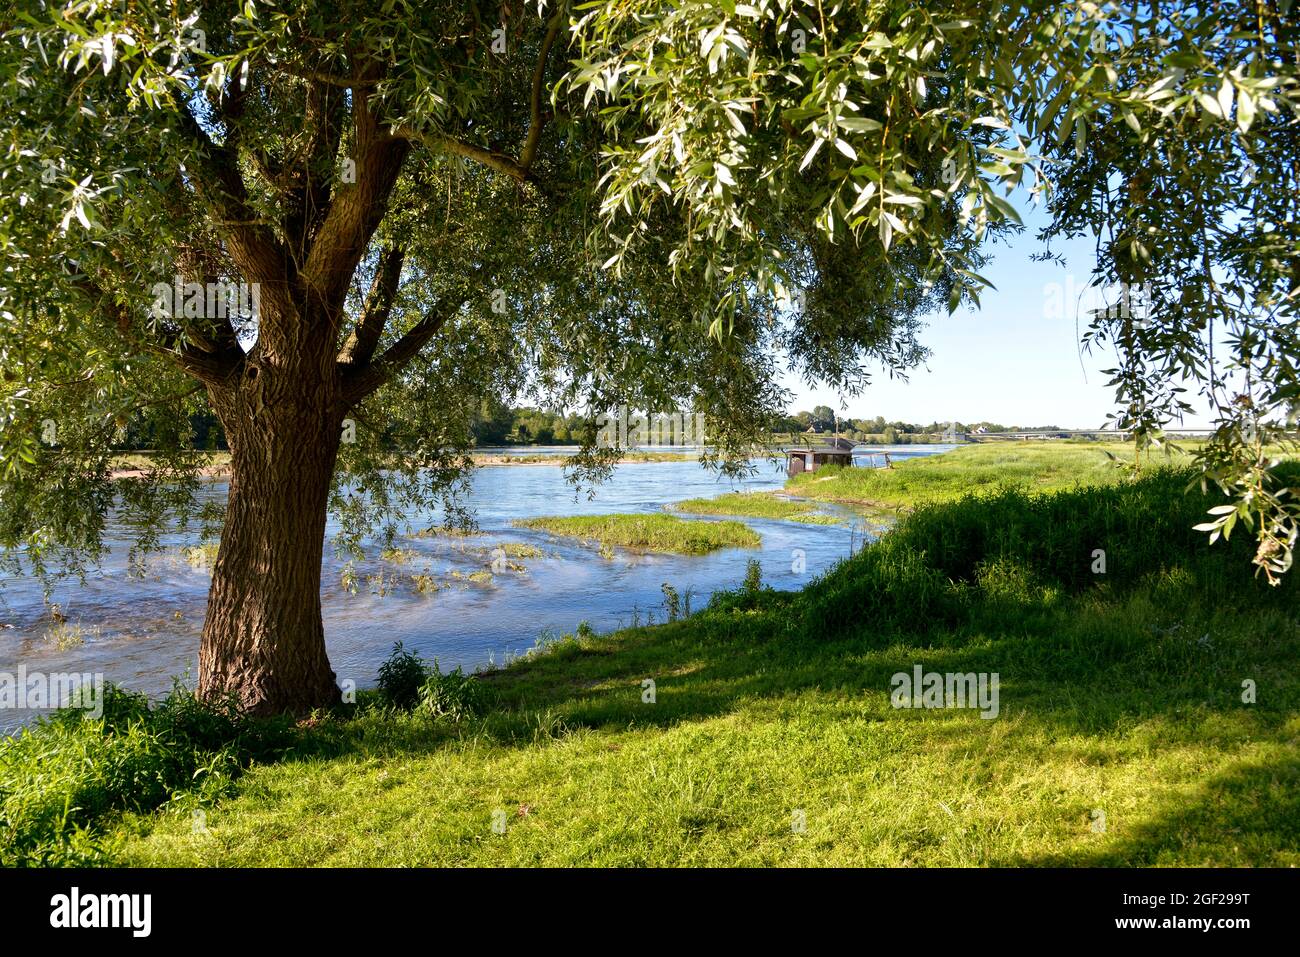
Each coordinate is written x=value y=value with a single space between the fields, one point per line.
x=412 y=198
x=440 y=204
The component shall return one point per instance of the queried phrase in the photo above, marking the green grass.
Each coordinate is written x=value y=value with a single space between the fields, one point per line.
x=1121 y=696
x=756 y=505
x=1042 y=466
x=655 y=533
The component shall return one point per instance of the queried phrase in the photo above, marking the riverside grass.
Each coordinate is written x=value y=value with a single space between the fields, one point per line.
x=1121 y=705
x=883 y=493
x=755 y=505
x=655 y=533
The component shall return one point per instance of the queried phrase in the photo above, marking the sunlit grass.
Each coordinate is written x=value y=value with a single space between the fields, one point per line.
x=756 y=505
x=1041 y=466
x=1149 y=714
x=656 y=533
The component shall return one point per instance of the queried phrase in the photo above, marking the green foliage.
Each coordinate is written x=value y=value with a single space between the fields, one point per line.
x=946 y=558
x=401 y=677
x=63 y=781
x=656 y=533
x=406 y=681
x=752 y=504
x=1044 y=466
x=454 y=695
x=672 y=602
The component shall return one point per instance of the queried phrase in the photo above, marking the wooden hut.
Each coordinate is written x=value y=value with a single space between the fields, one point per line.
x=812 y=457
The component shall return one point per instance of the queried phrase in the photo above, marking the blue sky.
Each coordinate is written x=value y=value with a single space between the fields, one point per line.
x=1008 y=362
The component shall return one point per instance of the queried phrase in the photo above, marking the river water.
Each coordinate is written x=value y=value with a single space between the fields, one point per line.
x=142 y=631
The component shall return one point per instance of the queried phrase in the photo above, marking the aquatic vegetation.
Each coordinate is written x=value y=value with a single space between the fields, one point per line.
x=521 y=550
x=65 y=635
x=348 y=578
x=438 y=531
x=482 y=577
x=426 y=584
x=650 y=532
x=817 y=518
x=382 y=584
x=202 y=556
x=749 y=504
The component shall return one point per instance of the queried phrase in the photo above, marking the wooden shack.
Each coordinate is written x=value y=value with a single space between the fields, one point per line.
x=813 y=456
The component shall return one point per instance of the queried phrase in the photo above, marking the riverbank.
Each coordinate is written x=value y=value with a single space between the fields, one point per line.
x=217 y=464
x=1148 y=713
x=881 y=494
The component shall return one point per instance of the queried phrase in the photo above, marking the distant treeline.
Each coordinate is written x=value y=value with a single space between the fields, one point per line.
x=500 y=424
x=823 y=419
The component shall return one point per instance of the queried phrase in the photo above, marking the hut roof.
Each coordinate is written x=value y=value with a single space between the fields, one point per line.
x=839 y=446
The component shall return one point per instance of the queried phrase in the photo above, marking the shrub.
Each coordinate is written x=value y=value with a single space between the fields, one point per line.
x=1012 y=548
x=453 y=695
x=401 y=676
x=672 y=602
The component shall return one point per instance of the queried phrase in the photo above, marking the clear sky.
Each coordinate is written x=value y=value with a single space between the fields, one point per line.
x=1010 y=362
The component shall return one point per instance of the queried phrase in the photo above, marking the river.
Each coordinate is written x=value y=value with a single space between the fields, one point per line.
x=141 y=631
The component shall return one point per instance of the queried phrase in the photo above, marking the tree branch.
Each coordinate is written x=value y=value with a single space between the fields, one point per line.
x=536 y=121
x=354 y=213
x=359 y=383
x=258 y=255
x=485 y=157
x=361 y=344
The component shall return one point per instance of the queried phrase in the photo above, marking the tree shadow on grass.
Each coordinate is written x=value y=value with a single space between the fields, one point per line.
x=1246 y=815
x=715 y=664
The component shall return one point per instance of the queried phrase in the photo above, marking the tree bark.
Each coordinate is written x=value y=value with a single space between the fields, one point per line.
x=263 y=638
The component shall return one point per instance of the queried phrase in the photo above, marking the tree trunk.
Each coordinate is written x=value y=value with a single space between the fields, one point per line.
x=263 y=639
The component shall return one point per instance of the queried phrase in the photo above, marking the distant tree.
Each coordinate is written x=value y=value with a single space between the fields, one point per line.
x=823 y=417
x=493 y=422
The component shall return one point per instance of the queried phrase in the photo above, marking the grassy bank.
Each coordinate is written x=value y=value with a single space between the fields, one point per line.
x=1040 y=466
x=882 y=493
x=654 y=533
x=1127 y=731
x=755 y=505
